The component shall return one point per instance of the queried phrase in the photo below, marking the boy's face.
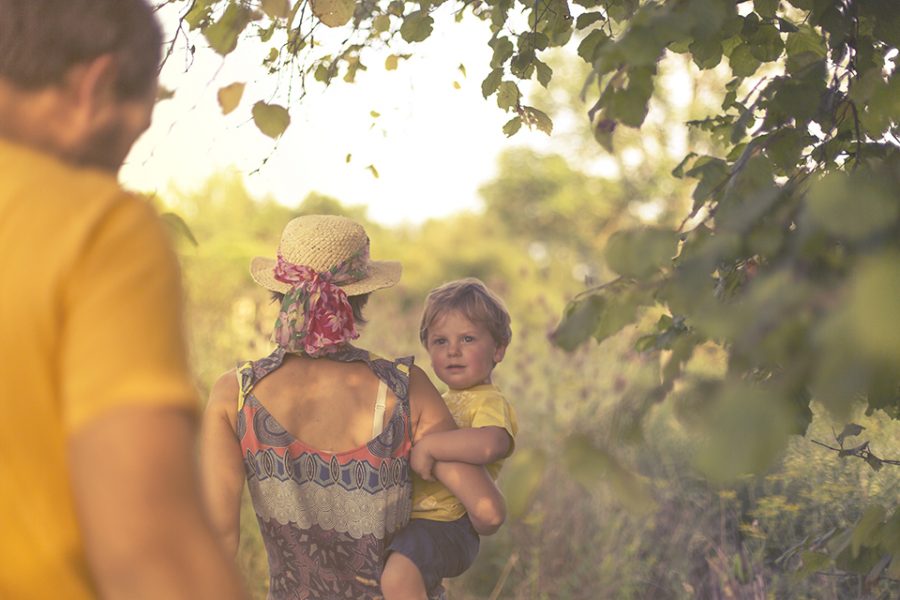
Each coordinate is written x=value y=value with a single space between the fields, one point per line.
x=463 y=353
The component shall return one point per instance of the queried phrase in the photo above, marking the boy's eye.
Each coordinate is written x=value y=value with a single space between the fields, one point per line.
x=469 y=338
x=437 y=341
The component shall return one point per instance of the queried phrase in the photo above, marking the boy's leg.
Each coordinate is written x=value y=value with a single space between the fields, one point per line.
x=401 y=579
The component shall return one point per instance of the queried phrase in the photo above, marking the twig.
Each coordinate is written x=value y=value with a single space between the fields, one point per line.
x=178 y=30
x=858 y=136
x=862 y=451
x=504 y=575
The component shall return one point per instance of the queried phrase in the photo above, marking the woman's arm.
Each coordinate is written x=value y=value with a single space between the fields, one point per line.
x=221 y=462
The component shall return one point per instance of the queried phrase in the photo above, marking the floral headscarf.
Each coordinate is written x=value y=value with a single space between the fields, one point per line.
x=316 y=316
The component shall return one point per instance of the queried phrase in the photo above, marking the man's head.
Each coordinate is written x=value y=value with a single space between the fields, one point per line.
x=78 y=77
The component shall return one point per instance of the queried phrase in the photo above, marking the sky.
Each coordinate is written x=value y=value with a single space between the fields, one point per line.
x=433 y=145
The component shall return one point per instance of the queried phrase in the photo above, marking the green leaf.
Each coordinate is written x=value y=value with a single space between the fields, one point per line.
x=585 y=20
x=854 y=208
x=785 y=148
x=522 y=64
x=508 y=95
x=874 y=291
x=743 y=62
x=850 y=430
x=812 y=563
x=164 y=93
x=765 y=8
x=706 y=53
x=503 y=50
x=491 y=82
x=620 y=309
x=391 y=62
x=867 y=528
x=522 y=476
x=271 y=119
x=223 y=34
x=373 y=171
x=874 y=462
x=276 y=9
x=198 y=17
x=230 y=96
x=177 y=226
x=512 y=126
x=579 y=321
x=712 y=173
x=544 y=72
x=748 y=430
x=381 y=23
x=678 y=171
x=766 y=44
x=333 y=13
x=629 y=105
x=537 y=119
x=531 y=40
x=641 y=252
x=593 y=467
x=603 y=132
x=416 y=26
x=590 y=45
x=785 y=26
x=804 y=47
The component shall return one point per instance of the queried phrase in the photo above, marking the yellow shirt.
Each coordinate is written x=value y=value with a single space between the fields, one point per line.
x=90 y=320
x=478 y=406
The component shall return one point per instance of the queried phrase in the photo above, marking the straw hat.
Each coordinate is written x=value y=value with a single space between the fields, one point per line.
x=322 y=242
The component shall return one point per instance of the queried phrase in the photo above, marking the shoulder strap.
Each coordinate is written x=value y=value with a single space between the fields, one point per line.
x=250 y=372
x=378 y=418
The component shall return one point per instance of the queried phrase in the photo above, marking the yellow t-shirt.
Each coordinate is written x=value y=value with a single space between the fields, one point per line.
x=478 y=406
x=90 y=320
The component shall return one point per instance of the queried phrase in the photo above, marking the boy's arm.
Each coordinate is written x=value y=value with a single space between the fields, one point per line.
x=473 y=486
x=472 y=445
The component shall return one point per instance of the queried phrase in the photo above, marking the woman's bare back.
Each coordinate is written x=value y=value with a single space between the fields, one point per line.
x=327 y=405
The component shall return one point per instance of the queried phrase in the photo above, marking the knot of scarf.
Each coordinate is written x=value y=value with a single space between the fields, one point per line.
x=316 y=316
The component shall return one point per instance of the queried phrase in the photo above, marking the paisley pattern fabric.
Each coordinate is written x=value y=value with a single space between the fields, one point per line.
x=326 y=518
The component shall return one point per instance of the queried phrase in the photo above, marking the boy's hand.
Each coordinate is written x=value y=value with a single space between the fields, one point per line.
x=421 y=461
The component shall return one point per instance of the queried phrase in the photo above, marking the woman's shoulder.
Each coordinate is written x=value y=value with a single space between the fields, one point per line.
x=224 y=389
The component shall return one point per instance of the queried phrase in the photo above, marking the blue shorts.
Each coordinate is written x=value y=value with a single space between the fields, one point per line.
x=438 y=548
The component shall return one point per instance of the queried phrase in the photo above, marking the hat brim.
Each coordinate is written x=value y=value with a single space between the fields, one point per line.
x=381 y=274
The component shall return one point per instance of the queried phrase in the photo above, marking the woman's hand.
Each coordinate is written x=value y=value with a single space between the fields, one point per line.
x=421 y=461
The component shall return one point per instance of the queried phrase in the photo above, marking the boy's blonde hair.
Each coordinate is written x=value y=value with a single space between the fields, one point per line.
x=475 y=301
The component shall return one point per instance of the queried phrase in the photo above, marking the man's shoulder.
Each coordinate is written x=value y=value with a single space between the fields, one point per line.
x=48 y=173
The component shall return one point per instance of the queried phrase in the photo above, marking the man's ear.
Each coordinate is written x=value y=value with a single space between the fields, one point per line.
x=91 y=86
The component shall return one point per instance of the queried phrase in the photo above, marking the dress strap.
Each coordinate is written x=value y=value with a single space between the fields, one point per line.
x=378 y=418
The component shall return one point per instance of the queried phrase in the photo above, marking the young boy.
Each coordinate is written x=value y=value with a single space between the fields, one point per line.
x=465 y=328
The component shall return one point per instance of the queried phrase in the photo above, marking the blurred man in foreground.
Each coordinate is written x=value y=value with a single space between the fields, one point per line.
x=98 y=492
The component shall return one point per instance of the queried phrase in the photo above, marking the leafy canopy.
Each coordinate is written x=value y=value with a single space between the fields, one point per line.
x=790 y=256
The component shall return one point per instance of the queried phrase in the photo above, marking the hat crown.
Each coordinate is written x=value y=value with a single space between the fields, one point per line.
x=322 y=242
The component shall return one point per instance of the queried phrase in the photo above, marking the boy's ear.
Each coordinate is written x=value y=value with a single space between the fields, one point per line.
x=499 y=353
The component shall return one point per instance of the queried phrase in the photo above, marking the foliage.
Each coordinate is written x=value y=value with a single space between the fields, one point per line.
x=789 y=258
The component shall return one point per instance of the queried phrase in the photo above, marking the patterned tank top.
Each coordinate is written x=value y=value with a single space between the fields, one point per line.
x=326 y=518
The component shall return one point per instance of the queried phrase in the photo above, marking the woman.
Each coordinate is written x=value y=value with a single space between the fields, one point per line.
x=321 y=430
